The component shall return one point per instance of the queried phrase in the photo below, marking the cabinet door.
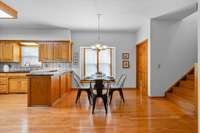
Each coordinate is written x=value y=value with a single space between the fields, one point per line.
x=63 y=84
x=69 y=52
x=69 y=81
x=46 y=51
x=24 y=86
x=14 y=85
x=18 y=85
x=7 y=51
x=65 y=52
x=16 y=51
x=50 y=51
x=41 y=52
x=57 y=52
x=55 y=88
x=3 y=88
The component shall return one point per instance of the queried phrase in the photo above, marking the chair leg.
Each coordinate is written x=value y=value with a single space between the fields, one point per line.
x=89 y=96
x=94 y=103
x=110 y=95
x=121 y=94
x=105 y=100
x=78 y=96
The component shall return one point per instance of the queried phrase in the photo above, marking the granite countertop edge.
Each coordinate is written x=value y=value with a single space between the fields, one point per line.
x=28 y=73
x=49 y=73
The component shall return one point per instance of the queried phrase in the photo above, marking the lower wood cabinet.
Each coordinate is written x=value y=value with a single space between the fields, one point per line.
x=46 y=90
x=3 y=88
x=18 y=85
x=55 y=89
x=3 y=85
x=65 y=83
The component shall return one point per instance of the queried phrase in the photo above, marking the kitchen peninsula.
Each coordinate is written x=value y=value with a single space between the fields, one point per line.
x=48 y=87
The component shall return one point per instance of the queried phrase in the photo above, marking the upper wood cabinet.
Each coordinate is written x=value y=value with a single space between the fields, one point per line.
x=9 y=51
x=59 y=51
x=46 y=51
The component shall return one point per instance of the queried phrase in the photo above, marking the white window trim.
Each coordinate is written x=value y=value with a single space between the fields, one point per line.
x=81 y=57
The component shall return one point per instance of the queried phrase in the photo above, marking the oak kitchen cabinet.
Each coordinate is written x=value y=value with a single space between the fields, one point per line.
x=46 y=51
x=14 y=83
x=3 y=84
x=65 y=83
x=58 y=51
x=18 y=85
x=9 y=51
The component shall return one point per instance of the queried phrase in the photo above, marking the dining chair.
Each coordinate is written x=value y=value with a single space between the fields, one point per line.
x=99 y=91
x=81 y=87
x=118 y=86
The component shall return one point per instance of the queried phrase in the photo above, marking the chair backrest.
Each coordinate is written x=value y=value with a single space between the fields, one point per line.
x=119 y=79
x=76 y=76
x=99 y=88
x=122 y=81
x=76 y=80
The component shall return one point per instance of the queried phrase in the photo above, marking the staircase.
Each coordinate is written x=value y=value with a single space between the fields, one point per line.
x=182 y=93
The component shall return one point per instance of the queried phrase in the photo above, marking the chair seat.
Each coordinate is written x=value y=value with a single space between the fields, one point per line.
x=114 y=86
x=85 y=86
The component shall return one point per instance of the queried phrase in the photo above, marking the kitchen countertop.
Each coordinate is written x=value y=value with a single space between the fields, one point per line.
x=48 y=73
x=37 y=72
x=15 y=71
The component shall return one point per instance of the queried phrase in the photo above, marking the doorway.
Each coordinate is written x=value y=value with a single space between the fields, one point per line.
x=142 y=67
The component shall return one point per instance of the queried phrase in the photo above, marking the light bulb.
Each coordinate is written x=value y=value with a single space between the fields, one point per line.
x=98 y=46
x=104 y=47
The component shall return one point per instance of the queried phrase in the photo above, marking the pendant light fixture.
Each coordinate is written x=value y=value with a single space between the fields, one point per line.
x=99 y=46
x=6 y=12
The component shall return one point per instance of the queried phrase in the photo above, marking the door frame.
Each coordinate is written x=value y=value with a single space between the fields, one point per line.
x=137 y=82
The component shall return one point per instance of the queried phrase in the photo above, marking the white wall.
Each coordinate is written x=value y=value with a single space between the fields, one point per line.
x=143 y=32
x=123 y=41
x=35 y=34
x=173 y=52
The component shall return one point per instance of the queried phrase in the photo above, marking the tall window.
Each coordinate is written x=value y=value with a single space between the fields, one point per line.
x=97 y=61
x=30 y=56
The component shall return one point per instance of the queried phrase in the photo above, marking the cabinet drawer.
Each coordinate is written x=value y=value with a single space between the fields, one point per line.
x=3 y=88
x=3 y=81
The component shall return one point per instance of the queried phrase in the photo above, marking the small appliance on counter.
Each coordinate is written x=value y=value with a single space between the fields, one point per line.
x=6 y=68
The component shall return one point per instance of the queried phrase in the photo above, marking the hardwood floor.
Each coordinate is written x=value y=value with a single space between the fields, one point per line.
x=138 y=115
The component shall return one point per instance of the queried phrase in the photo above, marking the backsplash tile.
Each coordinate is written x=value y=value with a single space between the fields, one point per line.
x=17 y=66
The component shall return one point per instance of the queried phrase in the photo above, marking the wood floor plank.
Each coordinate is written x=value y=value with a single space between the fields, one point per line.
x=137 y=115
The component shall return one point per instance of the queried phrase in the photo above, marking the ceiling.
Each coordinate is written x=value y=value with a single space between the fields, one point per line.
x=127 y=15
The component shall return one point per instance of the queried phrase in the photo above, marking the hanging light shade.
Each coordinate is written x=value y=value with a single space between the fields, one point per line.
x=6 y=12
x=99 y=45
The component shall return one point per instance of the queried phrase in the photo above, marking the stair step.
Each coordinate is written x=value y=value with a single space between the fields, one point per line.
x=190 y=76
x=185 y=93
x=187 y=84
x=184 y=104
